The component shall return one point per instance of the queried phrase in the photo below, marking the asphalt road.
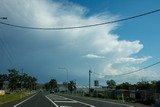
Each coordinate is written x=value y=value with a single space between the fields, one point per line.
x=94 y=102
x=52 y=100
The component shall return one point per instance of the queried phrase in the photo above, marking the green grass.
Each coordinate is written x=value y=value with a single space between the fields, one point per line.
x=12 y=97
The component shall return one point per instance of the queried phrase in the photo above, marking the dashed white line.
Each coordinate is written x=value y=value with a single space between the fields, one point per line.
x=65 y=101
x=79 y=102
x=65 y=106
x=86 y=104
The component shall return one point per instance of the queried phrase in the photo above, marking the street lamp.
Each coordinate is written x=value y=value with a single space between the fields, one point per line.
x=66 y=71
x=63 y=68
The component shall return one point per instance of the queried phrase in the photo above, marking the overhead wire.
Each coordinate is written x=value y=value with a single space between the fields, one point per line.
x=146 y=67
x=5 y=49
x=8 y=47
x=83 y=26
x=139 y=69
x=5 y=52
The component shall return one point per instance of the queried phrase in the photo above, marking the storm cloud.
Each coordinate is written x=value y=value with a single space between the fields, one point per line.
x=41 y=52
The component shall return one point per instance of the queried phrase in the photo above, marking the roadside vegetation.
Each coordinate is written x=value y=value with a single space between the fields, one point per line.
x=52 y=85
x=16 y=85
x=13 y=96
x=143 y=91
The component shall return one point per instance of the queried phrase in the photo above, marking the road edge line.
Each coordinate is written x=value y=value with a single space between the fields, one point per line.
x=25 y=100
x=52 y=101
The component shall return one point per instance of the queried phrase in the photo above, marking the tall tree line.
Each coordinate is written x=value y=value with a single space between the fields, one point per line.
x=52 y=85
x=17 y=80
x=141 y=85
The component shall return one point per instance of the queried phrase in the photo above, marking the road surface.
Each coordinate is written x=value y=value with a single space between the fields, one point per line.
x=51 y=100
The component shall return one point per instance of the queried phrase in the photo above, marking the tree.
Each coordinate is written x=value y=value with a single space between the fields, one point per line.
x=124 y=85
x=28 y=82
x=158 y=87
x=33 y=83
x=13 y=79
x=24 y=80
x=17 y=80
x=111 y=84
x=52 y=84
x=3 y=77
x=46 y=86
x=71 y=86
x=143 y=85
x=153 y=85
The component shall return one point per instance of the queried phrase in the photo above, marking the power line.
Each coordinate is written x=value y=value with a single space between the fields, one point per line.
x=131 y=71
x=7 y=53
x=139 y=69
x=83 y=26
x=4 y=47
x=6 y=44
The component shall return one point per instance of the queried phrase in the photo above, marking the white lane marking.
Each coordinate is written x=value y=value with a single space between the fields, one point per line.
x=80 y=102
x=86 y=104
x=52 y=101
x=24 y=100
x=65 y=101
x=65 y=106
x=106 y=101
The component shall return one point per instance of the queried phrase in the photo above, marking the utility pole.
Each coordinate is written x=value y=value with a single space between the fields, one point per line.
x=21 y=77
x=90 y=81
x=67 y=79
x=21 y=81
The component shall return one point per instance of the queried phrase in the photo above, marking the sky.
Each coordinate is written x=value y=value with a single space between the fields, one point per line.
x=106 y=50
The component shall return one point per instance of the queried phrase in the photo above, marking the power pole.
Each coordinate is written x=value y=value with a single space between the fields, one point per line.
x=21 y=77
x=21 y=81
x=90 y=81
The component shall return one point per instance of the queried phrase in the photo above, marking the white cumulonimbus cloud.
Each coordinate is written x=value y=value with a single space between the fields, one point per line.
x=76 y=43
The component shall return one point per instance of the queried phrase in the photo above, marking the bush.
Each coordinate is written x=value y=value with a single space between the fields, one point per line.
x=86 y=94
x=101 y=95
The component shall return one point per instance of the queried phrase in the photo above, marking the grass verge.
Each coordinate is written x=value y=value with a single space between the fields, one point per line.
x=12 y=97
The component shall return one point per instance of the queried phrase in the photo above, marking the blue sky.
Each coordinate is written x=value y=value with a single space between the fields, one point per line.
x=145 y=28
x=107 y=50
